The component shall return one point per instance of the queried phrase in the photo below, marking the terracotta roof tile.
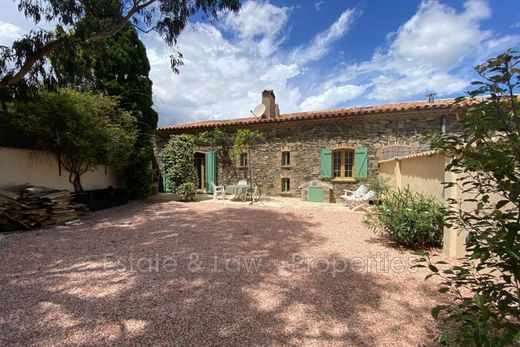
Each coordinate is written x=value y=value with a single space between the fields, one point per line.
x=443 y=104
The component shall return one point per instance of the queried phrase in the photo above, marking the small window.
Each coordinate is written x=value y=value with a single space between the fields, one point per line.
x=286 y=184
x=243 y=159
x=286 y=158
x=343 y=163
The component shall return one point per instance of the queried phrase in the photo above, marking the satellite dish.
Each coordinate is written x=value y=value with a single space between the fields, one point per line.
x=259 y=110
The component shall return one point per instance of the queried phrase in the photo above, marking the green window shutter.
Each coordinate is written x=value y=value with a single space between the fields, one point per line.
x=166 y=187
x=211 y=171
x=325 y=164
x=361 y=162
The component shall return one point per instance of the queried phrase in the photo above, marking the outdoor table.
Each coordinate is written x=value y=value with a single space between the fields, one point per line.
x=238 y=190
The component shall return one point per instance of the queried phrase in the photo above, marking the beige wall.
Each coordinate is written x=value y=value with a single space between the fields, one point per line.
x=420 y=173
x=19 y=166
x=424 y=173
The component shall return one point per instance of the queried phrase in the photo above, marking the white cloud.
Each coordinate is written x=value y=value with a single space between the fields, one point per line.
x=322 y=42
x=257 y=19
x=9 y=33
x=332 y=96
x=440 y=37
x=219 y=79
x=226 y=66
x=433 y=51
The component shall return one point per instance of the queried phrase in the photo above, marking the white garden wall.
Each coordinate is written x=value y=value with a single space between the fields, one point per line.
x=20 y=166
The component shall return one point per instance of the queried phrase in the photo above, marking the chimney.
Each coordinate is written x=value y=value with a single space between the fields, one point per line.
x=271 y=108
x=431 y=97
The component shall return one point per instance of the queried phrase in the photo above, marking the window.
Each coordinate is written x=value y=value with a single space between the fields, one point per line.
x=394 y=151
x=286 y=184
x=286 y=158
x=343 y=163
x=243 y=159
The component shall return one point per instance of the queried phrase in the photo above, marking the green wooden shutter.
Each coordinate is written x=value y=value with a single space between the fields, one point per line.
x=325 y=164
x=361 y=162
x=166 y=187
x=211 y=171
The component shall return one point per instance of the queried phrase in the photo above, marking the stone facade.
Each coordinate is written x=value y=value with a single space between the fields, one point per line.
x=304 y=139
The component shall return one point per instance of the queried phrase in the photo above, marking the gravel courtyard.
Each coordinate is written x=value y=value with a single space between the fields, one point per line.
x=168 y=273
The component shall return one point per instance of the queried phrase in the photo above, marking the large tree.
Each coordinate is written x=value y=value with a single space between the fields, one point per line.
x=27 y=56
x=116 y=66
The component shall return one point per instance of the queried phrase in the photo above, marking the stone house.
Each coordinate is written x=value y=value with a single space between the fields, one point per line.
x=341 y=147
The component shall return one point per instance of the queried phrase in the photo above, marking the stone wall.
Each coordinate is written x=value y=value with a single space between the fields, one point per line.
x=305 y=139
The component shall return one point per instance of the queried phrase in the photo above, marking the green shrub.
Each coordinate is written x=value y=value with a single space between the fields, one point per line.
x=178 y=157
x=186 y=191
x=411 y=219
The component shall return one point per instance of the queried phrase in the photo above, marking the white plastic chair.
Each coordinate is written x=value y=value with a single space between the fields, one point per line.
x=348 y=195
x=356 y=202
x=242 y=183
x=218 y=190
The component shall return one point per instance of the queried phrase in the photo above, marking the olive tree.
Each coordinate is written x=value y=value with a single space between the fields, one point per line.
x=82 y=129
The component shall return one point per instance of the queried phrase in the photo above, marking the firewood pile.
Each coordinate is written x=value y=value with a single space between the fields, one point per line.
x=30 y=206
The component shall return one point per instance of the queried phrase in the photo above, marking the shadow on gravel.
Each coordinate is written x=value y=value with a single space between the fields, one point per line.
x=172 y=274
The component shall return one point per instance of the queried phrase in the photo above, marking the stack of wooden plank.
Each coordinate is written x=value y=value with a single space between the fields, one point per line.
x=31 y=206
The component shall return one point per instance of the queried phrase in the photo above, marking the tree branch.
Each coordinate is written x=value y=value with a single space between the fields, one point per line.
x=51 y=46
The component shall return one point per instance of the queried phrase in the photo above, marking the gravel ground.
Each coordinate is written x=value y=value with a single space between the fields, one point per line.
x=168 y=273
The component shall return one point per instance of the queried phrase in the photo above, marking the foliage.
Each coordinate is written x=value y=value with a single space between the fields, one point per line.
x=245 y=140
x=178 y=158
x=409 y=218
x=27 y=56
x=83 y=129
x=117 y=66
x=186 y=191
x=136 y=173
x=486 y=160
x=377 y=183
x=217 y=139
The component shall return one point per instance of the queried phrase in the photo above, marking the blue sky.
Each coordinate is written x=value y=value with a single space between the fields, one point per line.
x=320 y=54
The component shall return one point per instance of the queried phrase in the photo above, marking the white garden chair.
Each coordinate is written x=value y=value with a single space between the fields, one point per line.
x=218 y=190
x=356 y=202
x=348 y=195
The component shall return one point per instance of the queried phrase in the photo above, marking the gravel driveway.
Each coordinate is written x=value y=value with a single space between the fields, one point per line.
x=168 y=273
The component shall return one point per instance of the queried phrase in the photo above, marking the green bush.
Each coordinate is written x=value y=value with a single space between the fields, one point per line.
x=409 y=218
x=186 y=191
x=178 y=157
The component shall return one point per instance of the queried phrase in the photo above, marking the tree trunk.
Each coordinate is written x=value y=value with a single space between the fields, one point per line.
x=75 y=179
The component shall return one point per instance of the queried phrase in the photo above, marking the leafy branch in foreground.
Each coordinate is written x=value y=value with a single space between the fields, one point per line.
x=166 y=17
x=485 y=286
